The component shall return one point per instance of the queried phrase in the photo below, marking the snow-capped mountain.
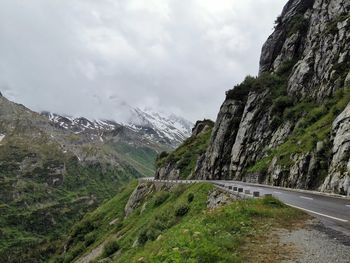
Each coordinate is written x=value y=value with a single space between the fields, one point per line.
x=166 y=129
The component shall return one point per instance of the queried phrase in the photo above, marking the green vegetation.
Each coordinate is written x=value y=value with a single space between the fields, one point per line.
x=297 y=24
x=44 y=192
x=314 y=123
x=186 y=155
x=141 y=158
x=181 y=229
x=110 y=248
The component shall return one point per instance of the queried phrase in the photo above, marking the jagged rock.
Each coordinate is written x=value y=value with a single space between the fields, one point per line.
x=347 y=80
x=338 y=179
x=215 y=163
x=137 y=197
x=201 y=126
x=218 y=198
x=320 y=48
x=281 y=134
x=169 y=172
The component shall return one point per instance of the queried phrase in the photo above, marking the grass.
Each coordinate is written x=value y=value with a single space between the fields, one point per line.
x=181 y=228
x=35 y=213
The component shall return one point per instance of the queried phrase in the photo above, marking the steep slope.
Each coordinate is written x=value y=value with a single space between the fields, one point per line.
x=51 y=175
x=160 y=223
x=282 y=128
x=180 y=163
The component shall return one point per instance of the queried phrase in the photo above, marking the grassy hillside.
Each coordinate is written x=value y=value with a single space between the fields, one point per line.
x=174 y=226
x=44 y=191
x=51 y=177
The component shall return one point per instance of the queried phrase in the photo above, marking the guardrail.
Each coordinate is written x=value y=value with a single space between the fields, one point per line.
x=233 y=189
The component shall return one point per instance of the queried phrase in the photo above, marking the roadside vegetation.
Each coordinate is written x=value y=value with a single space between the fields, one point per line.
x=176 y=226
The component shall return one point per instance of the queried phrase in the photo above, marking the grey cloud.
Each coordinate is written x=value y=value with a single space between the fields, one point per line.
x=85 y=57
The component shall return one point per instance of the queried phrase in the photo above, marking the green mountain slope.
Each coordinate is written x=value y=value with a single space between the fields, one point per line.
x=50 y=177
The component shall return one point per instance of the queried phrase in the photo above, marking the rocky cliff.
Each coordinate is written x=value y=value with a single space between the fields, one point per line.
x=284 y=127
x=290 y=125
x=181 y=162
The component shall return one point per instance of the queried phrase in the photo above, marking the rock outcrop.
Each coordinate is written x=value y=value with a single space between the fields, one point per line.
x=279 y=129
x=138 y=197
x=338 y=179
x=179 y=164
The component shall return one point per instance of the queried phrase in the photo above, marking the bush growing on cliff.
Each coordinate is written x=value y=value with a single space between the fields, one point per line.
x=110 y=248
x=190 y=197
x=182 y=210
x=280 y=104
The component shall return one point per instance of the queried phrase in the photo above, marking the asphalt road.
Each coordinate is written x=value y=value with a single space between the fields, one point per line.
x=333 y=212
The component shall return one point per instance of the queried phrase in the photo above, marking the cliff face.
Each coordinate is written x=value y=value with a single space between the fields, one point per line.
x=290 y=126
x=181 y=162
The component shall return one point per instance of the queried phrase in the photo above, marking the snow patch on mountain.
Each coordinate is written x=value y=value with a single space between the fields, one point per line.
x=159 y=127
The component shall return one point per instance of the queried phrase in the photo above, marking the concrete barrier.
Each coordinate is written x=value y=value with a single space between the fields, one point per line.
x=235 y=188
x=247 y=192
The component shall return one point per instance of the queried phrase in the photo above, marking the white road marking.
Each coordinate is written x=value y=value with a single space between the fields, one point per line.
x=277 y=193
x=307 y=198
x=348 y=205
x=320 y=214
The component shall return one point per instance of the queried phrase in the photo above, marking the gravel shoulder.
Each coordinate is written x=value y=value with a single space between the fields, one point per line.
x=315 y=243
x=308 y=241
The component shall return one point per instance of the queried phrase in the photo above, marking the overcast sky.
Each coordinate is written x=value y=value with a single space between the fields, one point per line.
x=89 y=57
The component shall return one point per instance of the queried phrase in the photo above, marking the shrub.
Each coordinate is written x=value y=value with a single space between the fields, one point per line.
x=160 y=198
x=182 y=210
x=90 y=239
x=297 y=24
x=110 y=248
x=82 y=229
x=142 y=238
x=148 y=233
x=281 y=103
x=240 y=91
x=190 y=197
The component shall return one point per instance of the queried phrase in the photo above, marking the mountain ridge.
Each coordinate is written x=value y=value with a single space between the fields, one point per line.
x=167 y=129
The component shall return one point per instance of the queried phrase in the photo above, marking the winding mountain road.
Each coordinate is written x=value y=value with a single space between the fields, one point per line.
x=332 y=211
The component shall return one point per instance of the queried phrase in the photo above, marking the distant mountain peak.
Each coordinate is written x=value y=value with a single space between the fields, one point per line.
x=167 y=129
